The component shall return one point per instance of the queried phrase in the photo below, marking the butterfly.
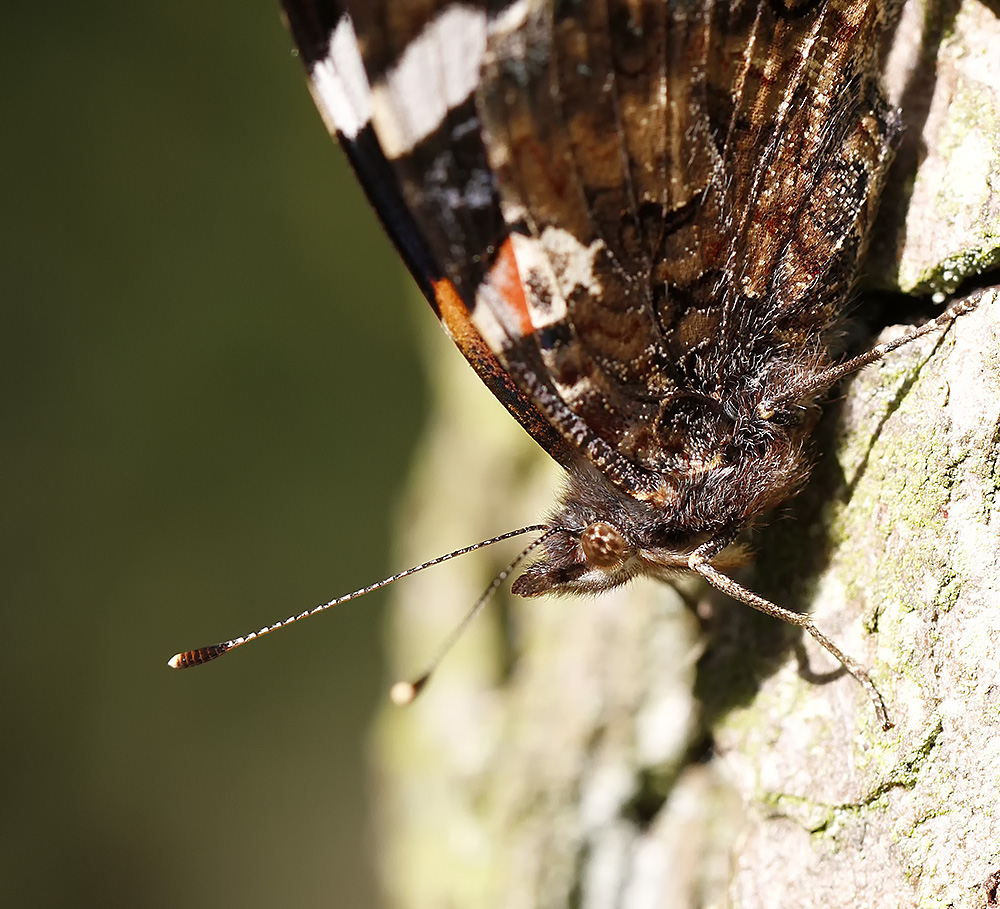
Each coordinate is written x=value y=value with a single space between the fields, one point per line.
x=640 y=221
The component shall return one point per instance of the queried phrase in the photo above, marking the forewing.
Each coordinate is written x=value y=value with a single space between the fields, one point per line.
x=418 y=157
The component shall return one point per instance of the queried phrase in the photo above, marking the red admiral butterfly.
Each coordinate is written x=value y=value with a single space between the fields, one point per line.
x=639 y=221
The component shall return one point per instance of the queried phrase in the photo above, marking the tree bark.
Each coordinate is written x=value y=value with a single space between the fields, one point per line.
x=666 y=747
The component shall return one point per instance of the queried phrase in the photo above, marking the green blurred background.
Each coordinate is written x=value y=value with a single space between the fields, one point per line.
x=210 y=392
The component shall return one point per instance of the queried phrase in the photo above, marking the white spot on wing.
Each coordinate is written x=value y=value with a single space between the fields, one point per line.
x=340 y=85
x=553 y=266
x=536 y=272
x=510 y=19
x=562 y=265
x=485 y=320
x=572 y=262
x=436 y=73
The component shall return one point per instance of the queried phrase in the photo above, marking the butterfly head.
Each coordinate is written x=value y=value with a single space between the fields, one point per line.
x=601 y=538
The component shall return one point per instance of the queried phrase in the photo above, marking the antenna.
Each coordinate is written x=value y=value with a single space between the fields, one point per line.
x=188 y=658
x=403 y=693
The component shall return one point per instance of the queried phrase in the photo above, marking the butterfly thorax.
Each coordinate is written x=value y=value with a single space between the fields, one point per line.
x=735 y=470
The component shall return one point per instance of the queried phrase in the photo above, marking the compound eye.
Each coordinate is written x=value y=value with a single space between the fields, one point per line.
x=603 y=546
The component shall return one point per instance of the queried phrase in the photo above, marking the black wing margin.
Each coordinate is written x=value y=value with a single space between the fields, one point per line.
x=447 y=247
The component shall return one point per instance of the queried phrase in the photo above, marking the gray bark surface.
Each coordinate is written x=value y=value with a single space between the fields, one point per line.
x=656 y=747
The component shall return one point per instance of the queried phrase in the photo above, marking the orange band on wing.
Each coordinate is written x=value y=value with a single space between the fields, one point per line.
x=454 y=314
x=455 y=317
x=505 y=277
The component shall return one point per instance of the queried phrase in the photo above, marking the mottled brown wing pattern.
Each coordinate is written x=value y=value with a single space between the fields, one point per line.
x=594 y=181
x=694 y=182
x=811 y=137
x=638 y=219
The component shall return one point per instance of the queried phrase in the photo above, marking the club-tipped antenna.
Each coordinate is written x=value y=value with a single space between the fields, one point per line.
x=403 y=693
x=205 y=654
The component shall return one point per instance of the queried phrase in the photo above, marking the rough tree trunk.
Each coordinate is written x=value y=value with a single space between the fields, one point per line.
x=633 y=751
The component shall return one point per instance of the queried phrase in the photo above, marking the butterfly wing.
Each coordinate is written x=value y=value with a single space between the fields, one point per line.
x=691 y=185
x=442 y=239
x=621 y=210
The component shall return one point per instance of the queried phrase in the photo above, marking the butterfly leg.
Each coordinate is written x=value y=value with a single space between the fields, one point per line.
x=823 y=381
x=699 y=562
